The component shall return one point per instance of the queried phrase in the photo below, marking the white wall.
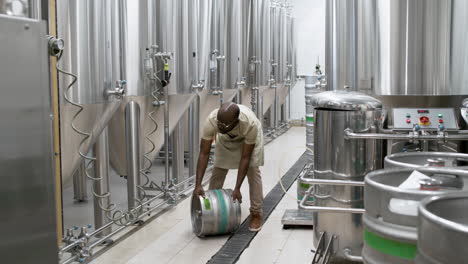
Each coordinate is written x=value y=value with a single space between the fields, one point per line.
x=310 y=25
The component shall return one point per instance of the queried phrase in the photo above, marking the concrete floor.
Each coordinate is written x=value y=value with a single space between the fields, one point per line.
x=169 y=238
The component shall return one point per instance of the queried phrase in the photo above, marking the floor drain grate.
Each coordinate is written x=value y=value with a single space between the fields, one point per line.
x=240 y=240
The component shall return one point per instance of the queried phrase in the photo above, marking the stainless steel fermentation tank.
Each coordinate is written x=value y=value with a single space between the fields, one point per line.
x=338 y=224
x=155 y=33
x=91 y=52
x=408 y=54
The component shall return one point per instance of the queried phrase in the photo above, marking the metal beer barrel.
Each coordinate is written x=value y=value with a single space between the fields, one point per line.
x=390 y=221
x=216 y=214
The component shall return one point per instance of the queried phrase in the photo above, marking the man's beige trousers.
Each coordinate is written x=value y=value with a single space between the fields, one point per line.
x=254 y=178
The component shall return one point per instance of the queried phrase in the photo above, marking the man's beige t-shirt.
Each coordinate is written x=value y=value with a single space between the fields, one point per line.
x=228 y=147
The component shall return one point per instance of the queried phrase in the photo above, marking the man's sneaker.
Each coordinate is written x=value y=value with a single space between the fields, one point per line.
x=255 y=222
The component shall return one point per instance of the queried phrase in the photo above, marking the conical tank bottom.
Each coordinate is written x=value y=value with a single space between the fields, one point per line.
x=92 y=120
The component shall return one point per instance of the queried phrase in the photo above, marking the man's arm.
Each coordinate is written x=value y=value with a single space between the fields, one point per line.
x=205 y=148
x=247 y=150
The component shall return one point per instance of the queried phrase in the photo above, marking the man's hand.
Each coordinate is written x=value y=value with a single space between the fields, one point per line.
x=236 y=195
x=199 y=192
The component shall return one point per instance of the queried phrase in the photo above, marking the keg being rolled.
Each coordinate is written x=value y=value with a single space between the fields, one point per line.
x=215 y=214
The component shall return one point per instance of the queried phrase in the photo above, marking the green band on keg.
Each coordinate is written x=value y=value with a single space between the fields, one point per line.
x=207 y=203
x=310 y=199
x=390 y=247
x=224 y=213
x=309 y=119
x=304 y=185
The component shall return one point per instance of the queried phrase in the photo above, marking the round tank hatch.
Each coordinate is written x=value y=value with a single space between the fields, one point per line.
x=346 y=100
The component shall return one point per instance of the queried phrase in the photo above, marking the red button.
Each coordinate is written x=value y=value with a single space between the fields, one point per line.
x=424 y=120
x=441 y=120
x=408 y=121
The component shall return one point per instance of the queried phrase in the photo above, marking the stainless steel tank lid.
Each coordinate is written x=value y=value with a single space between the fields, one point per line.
x=345 y=100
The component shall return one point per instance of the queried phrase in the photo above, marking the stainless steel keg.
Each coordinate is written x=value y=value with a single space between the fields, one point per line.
x=390 y=220
x=433 y=159
x=443 y=229
x=216 y=214
x=313 y=85
x=303 y=186
x=340 y=159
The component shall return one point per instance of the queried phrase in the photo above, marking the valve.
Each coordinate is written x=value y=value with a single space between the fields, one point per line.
x=118 y=91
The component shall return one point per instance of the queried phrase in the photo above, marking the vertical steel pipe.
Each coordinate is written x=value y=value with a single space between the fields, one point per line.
x=101 y=187
x=167 y=173
x=194 y=135
x=132 y=134
x=80 y=187
x=178 y=153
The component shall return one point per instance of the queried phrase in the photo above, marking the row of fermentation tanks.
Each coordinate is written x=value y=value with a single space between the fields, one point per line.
x=387 y=129
x=132 y=82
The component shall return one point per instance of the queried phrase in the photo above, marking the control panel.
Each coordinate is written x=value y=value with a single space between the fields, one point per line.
x=424 y=118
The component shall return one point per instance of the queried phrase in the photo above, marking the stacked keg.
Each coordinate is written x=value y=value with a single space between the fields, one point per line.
x=313 y=85
x=391 y=219
x=443 y=218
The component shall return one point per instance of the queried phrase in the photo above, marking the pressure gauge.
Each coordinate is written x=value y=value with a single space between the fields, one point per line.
x=56 y=45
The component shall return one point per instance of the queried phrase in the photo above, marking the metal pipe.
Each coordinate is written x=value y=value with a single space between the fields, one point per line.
x=348 y=256
x=349 y=134
x=80 y=186
x=331 y=182
x=100 y=241
x=178 y=153
x=167 y=175
x=321 y=209
x=101 y=187
x=194 y=134
x=132 y=134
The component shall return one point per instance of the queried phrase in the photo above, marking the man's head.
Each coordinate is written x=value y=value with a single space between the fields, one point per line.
x=228 y=117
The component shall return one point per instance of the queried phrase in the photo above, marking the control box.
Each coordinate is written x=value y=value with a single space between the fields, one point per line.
x=425 y=118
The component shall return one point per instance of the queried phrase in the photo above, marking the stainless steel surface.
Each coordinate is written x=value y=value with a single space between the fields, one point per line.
x=418 y=47
x=233 y=44
x=194 y=135
x=341 y=44
x=443 y=218
x=28 y=208
x=177 y=33
x=391 y=211
x=177 y=139
x=88 y=29
x=293 y=217
x=132 y=131
x=80 y=184
x=216 y=214
x=406 y=118
x=345 y=100
x=347 y=160
x=418 y=159
x=101 y=187
x=312 y=87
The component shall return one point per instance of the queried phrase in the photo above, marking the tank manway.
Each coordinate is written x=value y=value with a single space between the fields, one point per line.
x=240 y=240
